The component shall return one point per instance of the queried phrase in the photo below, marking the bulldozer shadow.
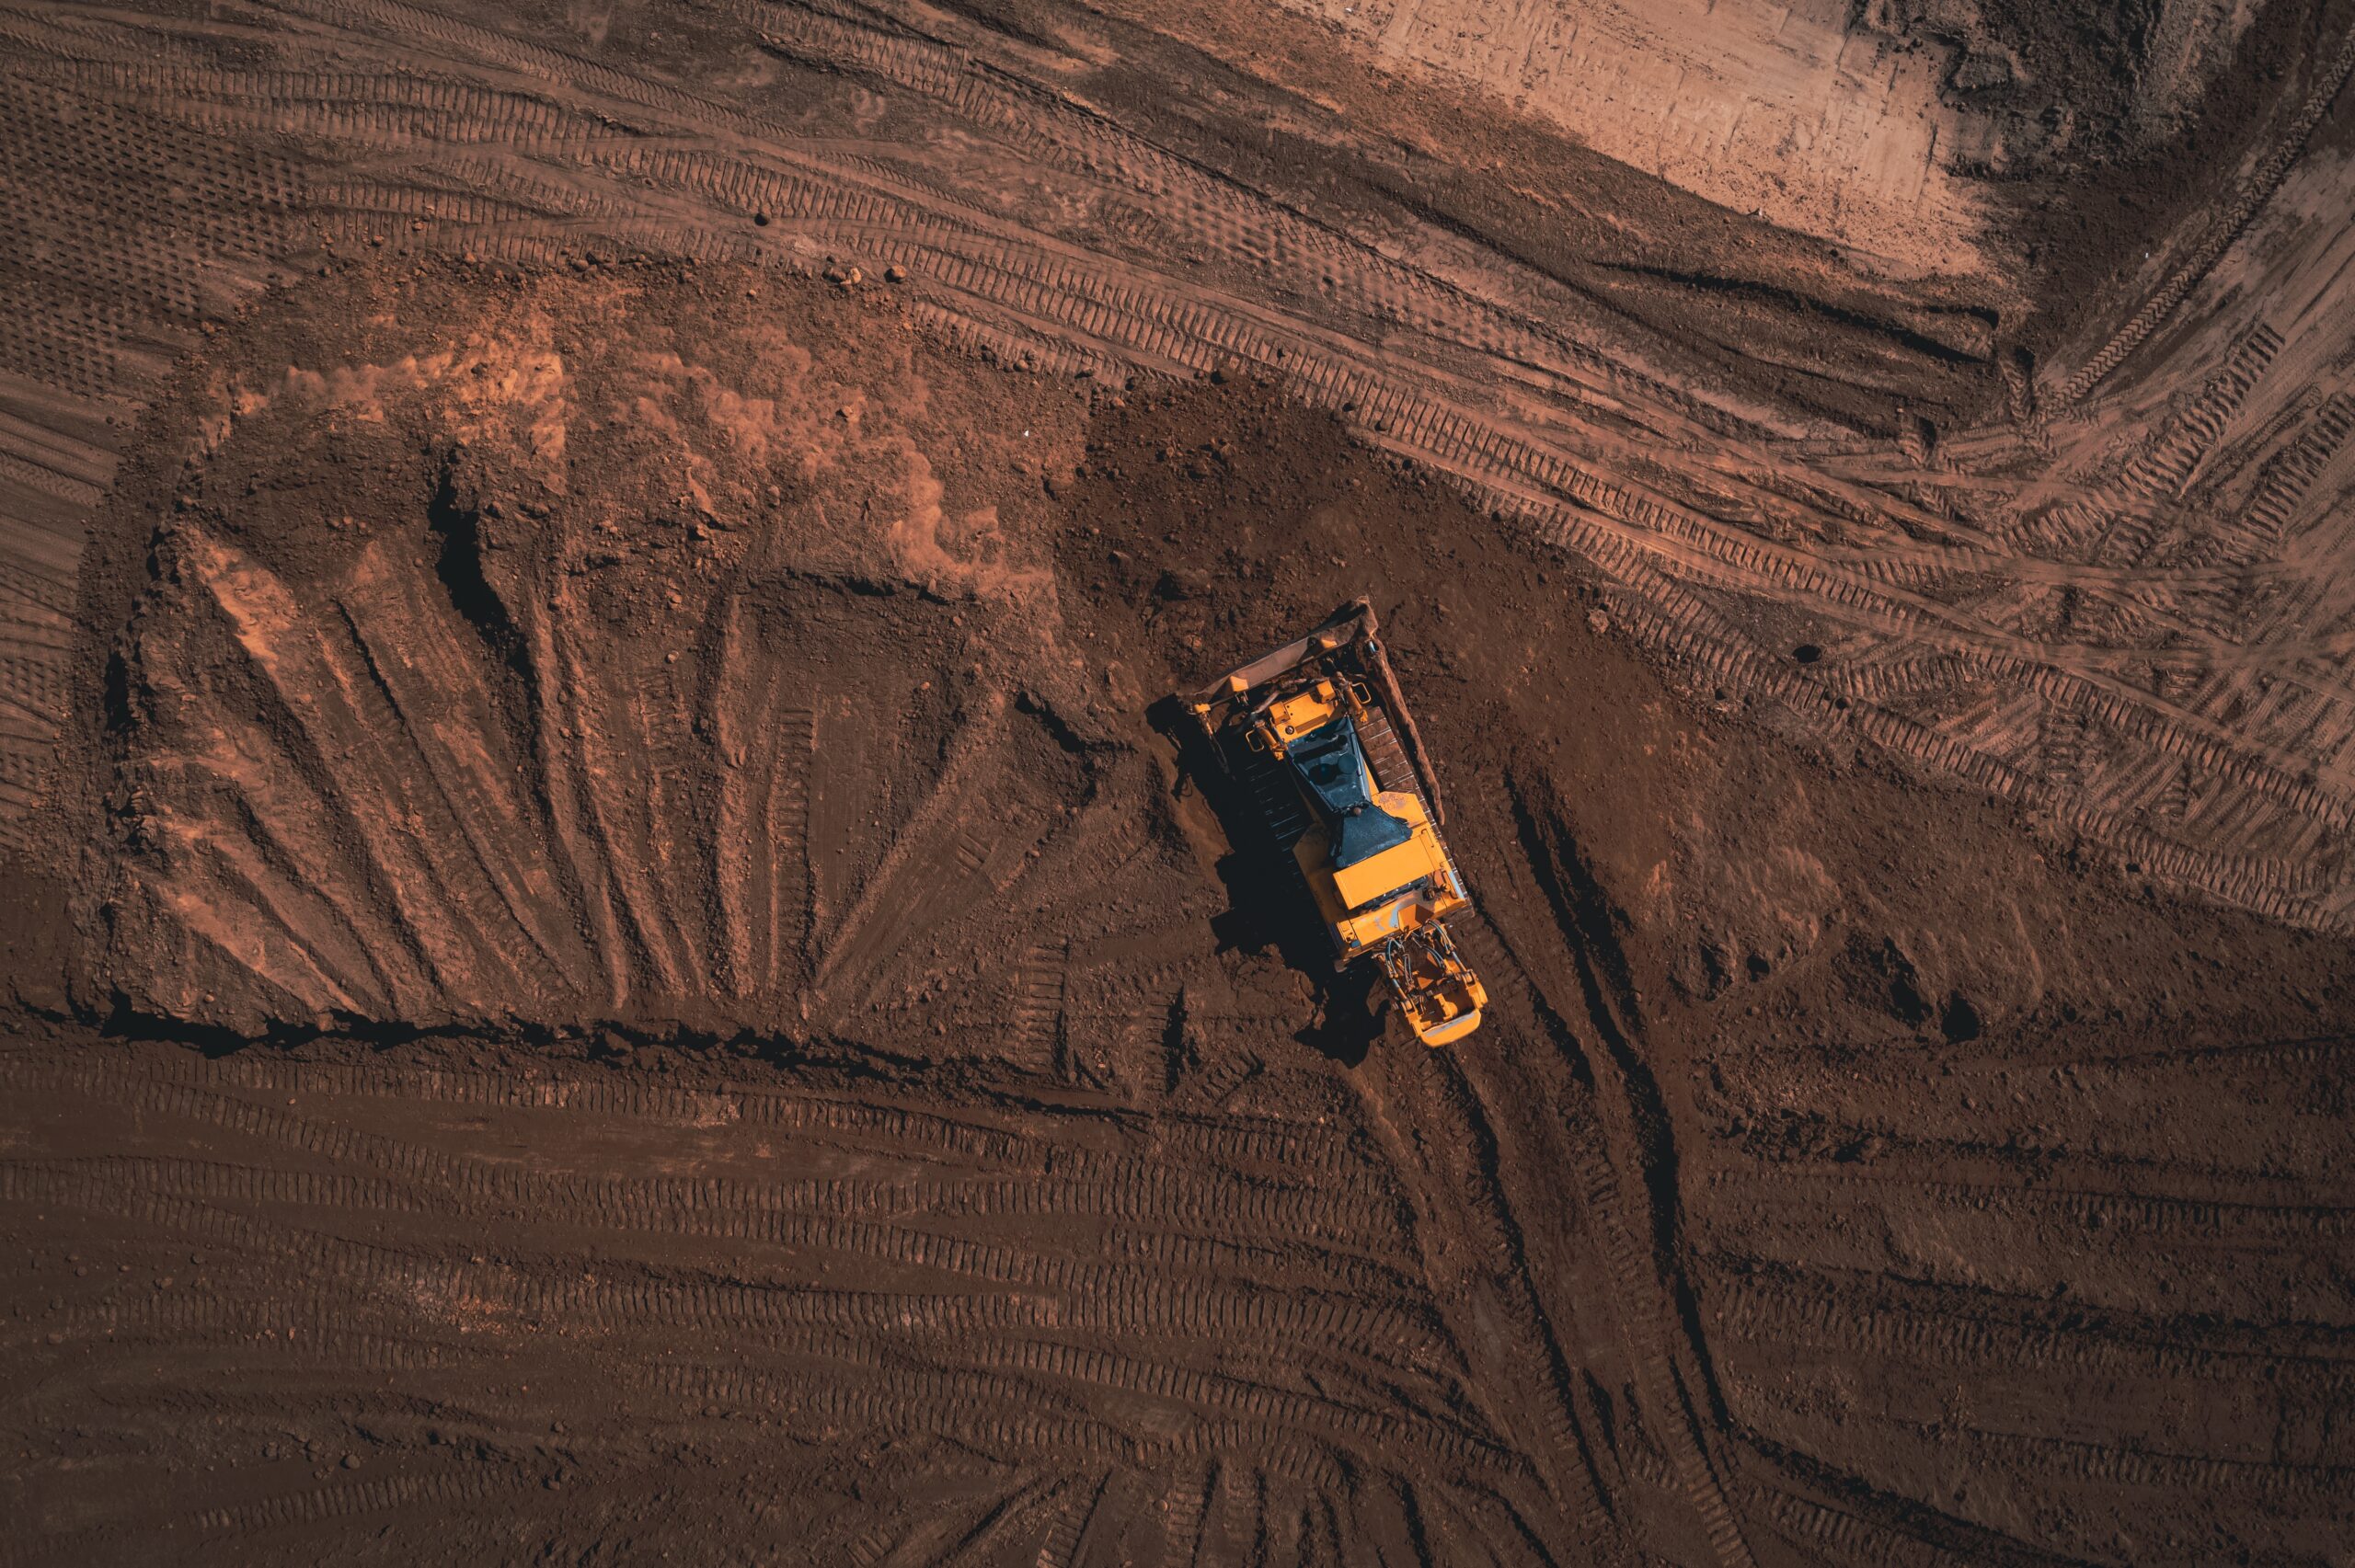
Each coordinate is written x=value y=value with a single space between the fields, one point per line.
x=1269 y=905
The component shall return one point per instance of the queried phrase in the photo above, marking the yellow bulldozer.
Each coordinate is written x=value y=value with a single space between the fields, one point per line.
x=1319 y=736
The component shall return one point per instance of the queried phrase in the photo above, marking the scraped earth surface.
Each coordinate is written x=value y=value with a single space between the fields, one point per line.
x=613 y=951
x=767 y=1048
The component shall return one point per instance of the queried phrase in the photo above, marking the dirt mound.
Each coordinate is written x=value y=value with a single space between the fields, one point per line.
x=606 y=652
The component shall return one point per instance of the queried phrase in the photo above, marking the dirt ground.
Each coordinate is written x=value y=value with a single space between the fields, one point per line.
x=653 y=980
x=615 y=953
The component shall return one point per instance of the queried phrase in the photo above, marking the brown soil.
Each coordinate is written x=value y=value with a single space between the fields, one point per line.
x=2091 y=210
x=615 y=952
x=647 y=977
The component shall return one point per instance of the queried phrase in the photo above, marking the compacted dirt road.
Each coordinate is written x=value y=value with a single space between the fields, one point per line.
x=614 y=954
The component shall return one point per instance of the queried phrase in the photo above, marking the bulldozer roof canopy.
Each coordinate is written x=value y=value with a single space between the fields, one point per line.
x=1333 y=765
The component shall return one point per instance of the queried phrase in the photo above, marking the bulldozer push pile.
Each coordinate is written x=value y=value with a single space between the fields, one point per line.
x=1319 y=734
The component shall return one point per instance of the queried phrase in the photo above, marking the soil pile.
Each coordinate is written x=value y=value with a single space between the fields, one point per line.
x=509 y=673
